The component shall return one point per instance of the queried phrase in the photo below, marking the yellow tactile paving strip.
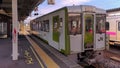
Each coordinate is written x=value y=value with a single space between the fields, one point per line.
x=46 y=59
x=42 y=66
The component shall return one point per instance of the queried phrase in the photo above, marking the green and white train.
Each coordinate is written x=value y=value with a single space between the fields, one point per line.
x=72 y=29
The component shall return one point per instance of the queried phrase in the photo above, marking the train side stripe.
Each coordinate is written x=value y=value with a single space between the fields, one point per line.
x=111 y=33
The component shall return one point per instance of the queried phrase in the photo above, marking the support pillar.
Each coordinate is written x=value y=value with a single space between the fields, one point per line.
x=14 y=30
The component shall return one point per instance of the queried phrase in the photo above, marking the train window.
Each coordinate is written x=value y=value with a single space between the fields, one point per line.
x=42 y=28
x=100 y=23
x=47 y=25
x=34 y=25
x=107 y=25
x=119 y=26
x=74 y=24
x=61 y=22
x=56 y=24
x=39 y=25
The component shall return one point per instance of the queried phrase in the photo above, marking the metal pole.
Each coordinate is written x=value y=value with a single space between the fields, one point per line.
x=14 y=30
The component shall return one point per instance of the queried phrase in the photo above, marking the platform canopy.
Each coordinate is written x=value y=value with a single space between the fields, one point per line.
x=25 y=7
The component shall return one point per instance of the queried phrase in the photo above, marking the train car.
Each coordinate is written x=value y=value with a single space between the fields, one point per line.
x=5 y=26
x=72 y=29
x=113 y=26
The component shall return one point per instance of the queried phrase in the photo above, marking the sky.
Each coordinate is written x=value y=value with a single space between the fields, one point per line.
x=44 y=8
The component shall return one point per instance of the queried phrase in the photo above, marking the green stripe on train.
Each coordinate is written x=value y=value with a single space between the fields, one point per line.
x=67 y=38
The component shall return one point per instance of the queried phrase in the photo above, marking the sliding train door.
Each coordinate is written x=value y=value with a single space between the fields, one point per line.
x=75 y=32
x=88 y=31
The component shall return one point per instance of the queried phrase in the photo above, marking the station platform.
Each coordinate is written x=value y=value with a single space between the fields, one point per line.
x=23 y=61
x=29 y=55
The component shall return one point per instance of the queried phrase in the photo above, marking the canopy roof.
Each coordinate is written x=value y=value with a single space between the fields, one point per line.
x=25 y=7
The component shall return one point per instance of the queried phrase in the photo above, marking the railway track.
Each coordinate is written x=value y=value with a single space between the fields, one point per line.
x=108 y=60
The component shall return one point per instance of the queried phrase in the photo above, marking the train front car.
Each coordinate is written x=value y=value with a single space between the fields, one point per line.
x=73 y=29
x=86 y=30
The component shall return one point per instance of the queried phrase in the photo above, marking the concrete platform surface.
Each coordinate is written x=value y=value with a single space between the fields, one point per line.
x=22 y=62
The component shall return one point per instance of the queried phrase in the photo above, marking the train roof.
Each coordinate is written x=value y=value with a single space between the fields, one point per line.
x=80 y=9
x=113 y=10
x=85 y=8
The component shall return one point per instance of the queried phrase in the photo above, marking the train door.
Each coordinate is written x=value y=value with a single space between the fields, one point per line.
x=100 y=31
x=88 y=31
x=118 y=30
x=75 y=30
x=56 y=32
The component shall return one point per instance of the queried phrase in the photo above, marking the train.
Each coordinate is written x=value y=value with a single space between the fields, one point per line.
x=113 y=26
x=76 y=29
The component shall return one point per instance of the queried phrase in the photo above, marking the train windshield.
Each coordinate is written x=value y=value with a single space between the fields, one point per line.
x=74 y=24
x=100 y=23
